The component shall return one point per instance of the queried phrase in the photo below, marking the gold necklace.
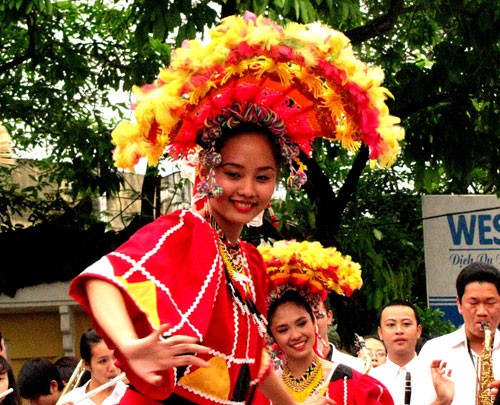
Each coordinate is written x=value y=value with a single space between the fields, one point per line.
x=303 y=387
x=233 y=261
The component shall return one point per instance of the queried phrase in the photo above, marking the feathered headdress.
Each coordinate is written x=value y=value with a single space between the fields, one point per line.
x=309 y=267
x=299 y=82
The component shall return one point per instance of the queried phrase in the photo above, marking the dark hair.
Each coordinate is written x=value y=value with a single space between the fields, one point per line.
x=88 y=340
x=477 y=272
x=246 y=127
x=66 y=365
x=292 y=296
x=327 y=304
x=35 y=377
x=399 y=303
x=13 y=398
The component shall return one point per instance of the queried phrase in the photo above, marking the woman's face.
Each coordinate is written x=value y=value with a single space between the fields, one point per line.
x=294 y=331
x=4 y=383
x=102 y=364
x=247 y=175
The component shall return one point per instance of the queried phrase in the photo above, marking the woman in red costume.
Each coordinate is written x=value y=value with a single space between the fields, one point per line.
x=183 y=302
x=300 y=276
x=304 y=372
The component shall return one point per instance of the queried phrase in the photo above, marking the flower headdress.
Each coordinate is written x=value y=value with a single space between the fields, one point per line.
x=309 y=267
x=299 y=82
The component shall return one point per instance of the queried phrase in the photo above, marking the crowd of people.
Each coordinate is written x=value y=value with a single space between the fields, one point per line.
x=446 y=370
x=187 y=312
x=92 y=379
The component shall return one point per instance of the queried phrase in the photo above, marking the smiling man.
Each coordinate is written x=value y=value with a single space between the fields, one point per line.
x=448 y=366
x=399 y=329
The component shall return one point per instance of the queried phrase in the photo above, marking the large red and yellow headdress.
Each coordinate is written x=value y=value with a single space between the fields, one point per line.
x=298 y=81
x=309 y=267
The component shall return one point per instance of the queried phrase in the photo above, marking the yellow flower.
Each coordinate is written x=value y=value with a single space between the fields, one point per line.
x=321 y=268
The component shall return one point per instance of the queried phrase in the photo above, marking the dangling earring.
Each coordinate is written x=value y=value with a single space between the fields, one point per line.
x=199 y=201
x=277 y=355
x=272 y=216
x=208 y=187
x=206 y=212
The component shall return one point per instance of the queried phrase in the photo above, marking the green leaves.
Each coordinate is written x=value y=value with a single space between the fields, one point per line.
x=23 y=7
x=433 y=323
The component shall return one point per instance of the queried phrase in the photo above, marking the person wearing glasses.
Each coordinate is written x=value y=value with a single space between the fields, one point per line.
x=324 y=318
x=376 y=349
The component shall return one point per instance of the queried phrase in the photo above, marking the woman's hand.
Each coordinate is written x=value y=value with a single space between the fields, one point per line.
x=319 y=400
x=151 y=356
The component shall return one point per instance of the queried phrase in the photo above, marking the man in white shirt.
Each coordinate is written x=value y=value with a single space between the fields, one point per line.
x=454 y=357
x=399 y=329
x=324 y=318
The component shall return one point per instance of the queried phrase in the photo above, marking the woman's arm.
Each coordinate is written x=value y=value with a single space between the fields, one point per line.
x=149 y=356
x=108 y=309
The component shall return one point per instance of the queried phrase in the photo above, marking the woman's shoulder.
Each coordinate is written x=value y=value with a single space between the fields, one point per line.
x=181 y=223
x=341 y=371
x=183 y=217
x=360 y=388
x=362 y=381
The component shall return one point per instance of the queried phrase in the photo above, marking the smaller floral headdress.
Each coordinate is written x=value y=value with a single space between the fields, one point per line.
x=309 y=267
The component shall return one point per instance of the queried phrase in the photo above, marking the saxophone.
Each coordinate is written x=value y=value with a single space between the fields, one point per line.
x=367 y=361
x=483 y=396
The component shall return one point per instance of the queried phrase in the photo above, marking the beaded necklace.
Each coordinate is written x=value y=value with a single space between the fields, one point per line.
x=308 y=384
x=233 y=261
x=236 y=272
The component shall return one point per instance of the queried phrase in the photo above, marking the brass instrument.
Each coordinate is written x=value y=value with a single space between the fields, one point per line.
x=485 y=377
x=73 y=381
x=367 y=360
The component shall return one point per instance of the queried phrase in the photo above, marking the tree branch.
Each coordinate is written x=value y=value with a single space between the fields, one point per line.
x=378 y=26
x=31 y=50
x=349 y=187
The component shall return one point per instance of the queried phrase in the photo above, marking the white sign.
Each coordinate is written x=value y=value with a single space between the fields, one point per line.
x=458 y=230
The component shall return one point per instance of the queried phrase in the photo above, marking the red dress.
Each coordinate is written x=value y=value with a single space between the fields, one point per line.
x=171 y=271
x=349 y=387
